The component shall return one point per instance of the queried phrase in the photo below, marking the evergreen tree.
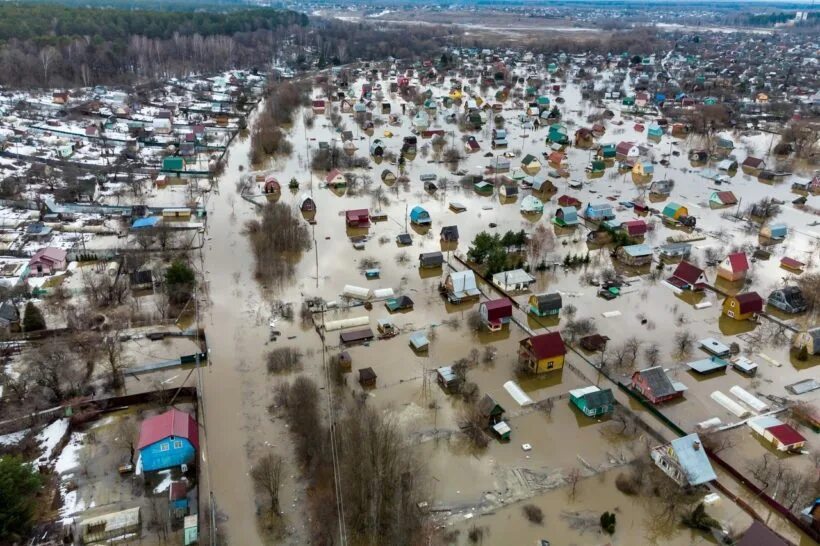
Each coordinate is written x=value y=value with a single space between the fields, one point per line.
x=33 y=320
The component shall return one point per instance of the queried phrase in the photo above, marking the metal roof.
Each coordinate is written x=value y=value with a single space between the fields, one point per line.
x=693 y=459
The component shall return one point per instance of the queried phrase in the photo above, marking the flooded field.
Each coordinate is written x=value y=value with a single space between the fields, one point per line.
x=238 y=390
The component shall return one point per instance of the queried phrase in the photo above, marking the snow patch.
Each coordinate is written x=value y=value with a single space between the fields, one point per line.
x=50 y=436
x=166 y=482
x=69 y=458
x=14 y=438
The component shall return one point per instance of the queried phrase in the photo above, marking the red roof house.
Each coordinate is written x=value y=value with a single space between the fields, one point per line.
x=47 y=261
x=785 y=437
x=357 y=218
x=791 y=263
x=733 y=267
x=168 y=440
x=635 y=228
x=335 y=178
x=542 y=353
x=496 y=313
x=688 y=277
x=568 y=201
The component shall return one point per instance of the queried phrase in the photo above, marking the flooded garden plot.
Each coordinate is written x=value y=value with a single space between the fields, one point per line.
x=405 y=387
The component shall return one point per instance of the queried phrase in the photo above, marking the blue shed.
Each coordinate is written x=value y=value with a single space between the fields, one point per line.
x=145 y=223
x=168 y=440
x=420 y=216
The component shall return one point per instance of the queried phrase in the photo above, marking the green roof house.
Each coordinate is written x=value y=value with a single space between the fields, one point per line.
x=592 y=400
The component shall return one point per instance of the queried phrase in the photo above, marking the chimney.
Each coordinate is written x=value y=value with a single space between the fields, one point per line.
x=696 y=445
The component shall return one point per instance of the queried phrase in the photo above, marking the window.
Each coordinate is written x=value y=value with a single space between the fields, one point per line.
x=164 y=447
x=177 y=444
x=550 y=365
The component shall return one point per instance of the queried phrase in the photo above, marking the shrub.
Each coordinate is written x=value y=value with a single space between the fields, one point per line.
x=534 y=514
x=284 y=360
x=33 y=320
x=608 y=522
x=627 y=484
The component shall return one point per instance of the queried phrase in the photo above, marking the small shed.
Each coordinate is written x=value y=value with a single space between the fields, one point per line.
x=431 y=260
x=402 y=303
x=367 y=377
x=351 y=337
x=449 y=234
x=566 y=216
x=357 y=218
x=420 y=216
x=594 y=342
x=447 y=377
x=776 y=232
x=419 y=341
x=490 y=410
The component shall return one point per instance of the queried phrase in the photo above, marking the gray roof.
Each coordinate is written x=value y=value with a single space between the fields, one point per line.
x=658 y=381
x=547 y=302
x=486 y=406
x=9 y=312
x=600 y=398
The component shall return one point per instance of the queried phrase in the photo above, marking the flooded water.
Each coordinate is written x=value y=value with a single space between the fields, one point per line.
x=237 y=389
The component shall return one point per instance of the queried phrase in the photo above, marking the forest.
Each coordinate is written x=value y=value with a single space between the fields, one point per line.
x=50 y=46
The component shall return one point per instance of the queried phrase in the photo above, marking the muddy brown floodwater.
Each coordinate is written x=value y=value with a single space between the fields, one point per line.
x=237 y=390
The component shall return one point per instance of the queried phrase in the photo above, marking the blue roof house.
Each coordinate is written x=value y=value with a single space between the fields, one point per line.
x=599 y=211
x=685 y=461
x=566 y=216
x=420 y=216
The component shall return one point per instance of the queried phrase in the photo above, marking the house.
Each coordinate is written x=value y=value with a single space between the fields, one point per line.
x=759 y=535
x=634 y=228
x=608 y=151
x=626 y=150
x=753 y=165
x=810 y=339
x=733 y=267
x=566 y=217
x=596 y=166
x=168 y=440
x=402 y=303
x=499 y=138
x=460 y=285
x=357 y=218
x=142 y=279
x=531 y=205
x=685 y=461
x=542 y=353
x=471 y=144
x=307 y=204
x=743 y=306
x=654 y=385
x=634 y=255
x=318 y=106
x=335 y=179
x=593 y=401
x=775 y=232
x=558 y=134
x=643 y=168
x=499 y=165
x=727 y=165
x=788 y=299
x=675 y=211
x=781 y=435
x=517 y=279
x=420 y=216
x=272 y=186
x=722 y=199
x=495 y=313
x=449 y=234
x=688 y=277
x=508 y=189
x=545 y=305
x=530 y=164
x=447 y=377
x=568 y=201
x=431 y=260
x=419 y=342
x=584 y=137
x=47 y=261
x=655 y=131
x=599 y=212
x=9 y=316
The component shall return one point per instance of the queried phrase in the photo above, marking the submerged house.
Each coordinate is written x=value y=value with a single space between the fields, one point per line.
x=168 y=440
x=357 y=218
x=743 y=306
x=722 y=199
x=685 y=461
x=517 y=279
x=733 y=267
x=460 y=285
x=688 y=277
x=431 y=260
x=496 y=313
x=542 y=353
x=634 y=228
x=531 y=205
x=774 y=231
x=420 y=216
x=810 y=339
x=654 y=385
x=781 y=435
x=449 y=234
x=545 y=305
x=627 y=150
x=335 y=179
x=593 y=401
x=599 y=211
x=788 y=299
x=566 y=216
x=635 y=255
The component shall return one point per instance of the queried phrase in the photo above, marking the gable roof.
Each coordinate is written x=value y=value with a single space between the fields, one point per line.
x=726 y=197
x=738 y=261
x=174 y=423
x=657 y=381
x=547 y=345
x=548 y=301
x=760 y=535
x=785 y=434
x=693 y=459
x=49 y=254
x=599 y=398
x=687 y=272
x=750 y=302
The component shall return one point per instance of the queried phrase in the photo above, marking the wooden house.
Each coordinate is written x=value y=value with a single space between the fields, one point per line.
x=431 y=260
x=654 y=385
x=776 y=232
x=566 y=216
x=545 y=305
x=722 y=199
x=542 y=353
x=367 y=377
x=449 y=234
x=168 y=440
x=810 y=339
x=685 y=461
x=734 y=267
x=593 y=401
x=634 y=228
x=307 y=204
x=335 y=179
x=420 y=216
x=788 y=299
x=627 y=150
x=753 y=165
x=459 y=286
x=490 y=410
x=447 y=378
x=516 y=279
x=272 y=186
x=743 y=306
x=688 y=277
x=357 y=218
x=530 y=164
x=634 y=255
x=495 y=313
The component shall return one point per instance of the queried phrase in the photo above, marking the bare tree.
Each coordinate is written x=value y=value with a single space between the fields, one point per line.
x=684 y=339
x=52 y=366
x=267 y=477
x=573 y=478
x=652 y=353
